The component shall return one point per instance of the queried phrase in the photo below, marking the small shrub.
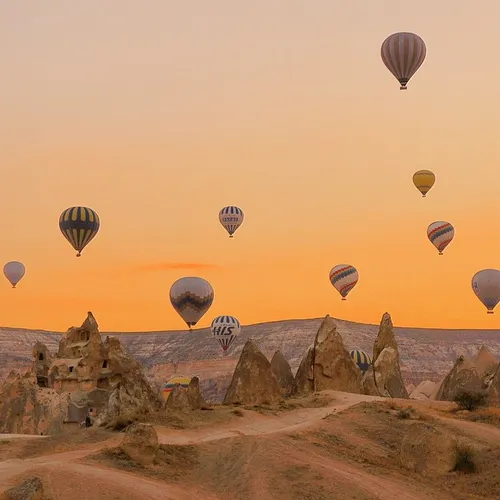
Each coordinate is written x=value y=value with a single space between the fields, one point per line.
x=470 y=400
x=237 y=412
x=464 y=458
x=405 y=413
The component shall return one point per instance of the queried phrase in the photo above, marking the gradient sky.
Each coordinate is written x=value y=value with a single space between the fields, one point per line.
x=158 y=113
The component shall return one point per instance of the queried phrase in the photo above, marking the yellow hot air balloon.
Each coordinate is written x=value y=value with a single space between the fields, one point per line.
x=424 y=180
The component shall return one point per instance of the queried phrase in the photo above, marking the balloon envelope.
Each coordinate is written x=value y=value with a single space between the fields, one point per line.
x=225 y=329
x=344 y=278
x=79 y=225
x=403 y=53
x=424 y=180
x=14 y=272
x=231 y=218
x=486 y=286
x=191 y=297
x=362 y=359
x=440 y=234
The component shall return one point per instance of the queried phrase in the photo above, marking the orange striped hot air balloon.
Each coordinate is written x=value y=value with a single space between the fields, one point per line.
x=403 y=53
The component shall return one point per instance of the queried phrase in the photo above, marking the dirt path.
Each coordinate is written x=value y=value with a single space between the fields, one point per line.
x=255 y=424
x=67 y=476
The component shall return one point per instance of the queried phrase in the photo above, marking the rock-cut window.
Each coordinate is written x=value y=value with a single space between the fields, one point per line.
x=40 y=357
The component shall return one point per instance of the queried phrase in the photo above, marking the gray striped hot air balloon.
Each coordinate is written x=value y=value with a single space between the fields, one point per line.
x=403 y=53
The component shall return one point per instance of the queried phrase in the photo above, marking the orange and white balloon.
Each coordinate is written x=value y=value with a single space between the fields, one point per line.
x=344 y=278
x=440 y=234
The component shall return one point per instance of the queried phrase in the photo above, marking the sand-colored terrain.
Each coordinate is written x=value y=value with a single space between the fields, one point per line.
x=343 y=446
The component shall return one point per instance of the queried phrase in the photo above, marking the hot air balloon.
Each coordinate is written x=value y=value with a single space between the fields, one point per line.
x=231 y=218
x=403 y=53
x=225 y=329
x=486 y=286
x=424 y=180
x=169 y=386
x=79 y=225
x=440 y=234
x=191 y=298
x=14 y=272
x=362 y=359
x=344 y=278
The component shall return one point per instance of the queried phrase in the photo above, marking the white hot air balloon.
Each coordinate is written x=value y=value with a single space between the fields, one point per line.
x=191 y=297
x=231 y=218
x=225 y=329
x=440 y=234
x=14 y=272
x=344 y=278
x=486 y=286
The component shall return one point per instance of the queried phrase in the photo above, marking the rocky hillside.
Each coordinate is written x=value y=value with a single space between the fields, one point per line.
x=425 y=353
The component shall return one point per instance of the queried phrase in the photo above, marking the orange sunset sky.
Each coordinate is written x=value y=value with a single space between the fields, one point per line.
x=157 y=113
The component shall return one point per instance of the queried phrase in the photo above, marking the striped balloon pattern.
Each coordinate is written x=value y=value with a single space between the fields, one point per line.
x=424 y=180
x=225 y=329
x=361 y=359
x=344 y=278
x=403 y=53
x=486 y=286
x=440 y=234
x=191 y=297
x=169 y=386
x=79 y=225
x=231 y=218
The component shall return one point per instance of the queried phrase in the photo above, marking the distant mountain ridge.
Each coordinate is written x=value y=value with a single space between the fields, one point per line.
x=425 y=353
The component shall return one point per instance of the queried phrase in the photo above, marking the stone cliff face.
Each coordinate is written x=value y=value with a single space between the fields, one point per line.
x=425 y=354
x=85 y=377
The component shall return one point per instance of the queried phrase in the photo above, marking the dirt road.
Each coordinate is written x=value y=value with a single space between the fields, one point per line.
x=69 y=478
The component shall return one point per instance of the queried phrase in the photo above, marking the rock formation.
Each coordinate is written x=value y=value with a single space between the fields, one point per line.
x=426 y=450
x=140 y=443
x=386 y=368
x=485 y=363
x=29 y=489
x=494 y=390
x=195 y=399
x=304 y=378
x=333 y=367
x=368 y=383
x=253 y=380
x=86 y=377
x=424 y=390
x=283 y=373
x=464 y=376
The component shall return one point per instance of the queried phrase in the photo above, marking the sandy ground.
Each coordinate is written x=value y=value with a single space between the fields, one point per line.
x=68 y=476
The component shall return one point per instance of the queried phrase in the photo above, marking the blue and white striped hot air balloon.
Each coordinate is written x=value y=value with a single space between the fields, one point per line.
x=361 y=359
x=231 y=218
x=344 y=278
x=440 y=234
x=225 y=329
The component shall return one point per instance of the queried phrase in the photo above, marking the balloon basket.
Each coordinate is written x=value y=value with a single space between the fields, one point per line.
x=403 y=88
x=489 y=312
x=343 y=298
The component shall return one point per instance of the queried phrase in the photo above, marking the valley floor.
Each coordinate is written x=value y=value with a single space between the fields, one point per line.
x=345 y=446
